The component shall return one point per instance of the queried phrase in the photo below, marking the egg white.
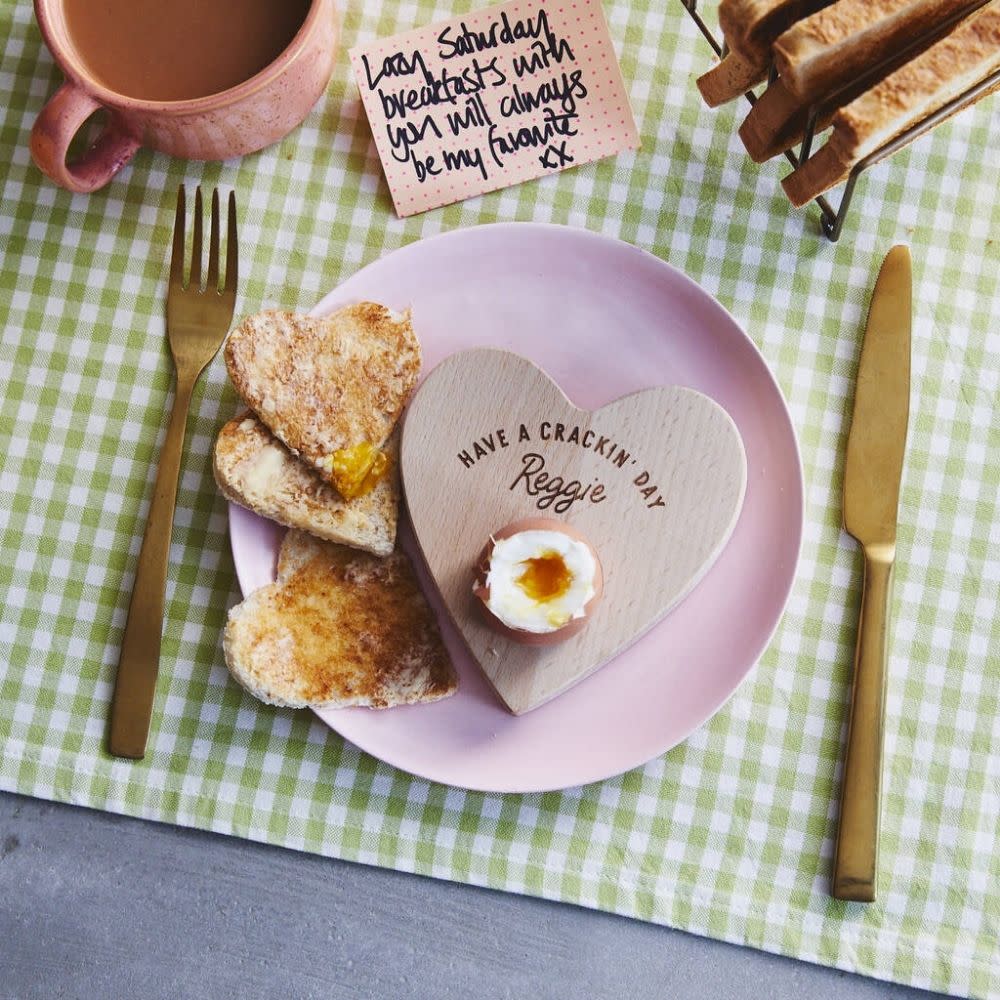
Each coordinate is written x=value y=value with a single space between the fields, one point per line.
x=513 y=606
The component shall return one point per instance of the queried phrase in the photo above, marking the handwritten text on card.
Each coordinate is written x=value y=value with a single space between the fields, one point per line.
x=493 y=98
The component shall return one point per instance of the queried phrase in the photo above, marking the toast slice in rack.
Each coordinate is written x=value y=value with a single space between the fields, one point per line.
x=826 y=50
x=326 y=385
x=822 y=57
x=749 y=27
x=732 y=76
x=338 y=628
x=776 y=123
x=254 y=469
x=963 y=58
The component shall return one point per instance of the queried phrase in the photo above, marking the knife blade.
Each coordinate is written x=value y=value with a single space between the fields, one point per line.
x=873 y=470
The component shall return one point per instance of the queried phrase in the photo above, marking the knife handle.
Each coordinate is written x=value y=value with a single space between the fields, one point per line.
x=855 y=866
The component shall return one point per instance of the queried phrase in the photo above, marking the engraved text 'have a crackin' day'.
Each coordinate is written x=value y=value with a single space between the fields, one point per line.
x=550 y=490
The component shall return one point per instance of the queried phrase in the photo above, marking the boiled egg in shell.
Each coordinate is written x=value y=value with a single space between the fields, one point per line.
x=538 y=580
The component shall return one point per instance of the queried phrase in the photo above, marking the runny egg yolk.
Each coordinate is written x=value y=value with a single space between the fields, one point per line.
x=356 y=471
x=539 y=579
x=545 y=577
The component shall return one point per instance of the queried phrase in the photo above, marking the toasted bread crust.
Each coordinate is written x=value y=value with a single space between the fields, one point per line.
x=731 y=77
x=254 y=469
x=774 y=123
x=338 y=628
x=325 y=384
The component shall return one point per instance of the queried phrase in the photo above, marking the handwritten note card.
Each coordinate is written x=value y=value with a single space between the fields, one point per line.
x=493 y=98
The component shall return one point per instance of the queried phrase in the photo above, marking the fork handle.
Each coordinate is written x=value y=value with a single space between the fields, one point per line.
x=139 y=661
x=855 y=866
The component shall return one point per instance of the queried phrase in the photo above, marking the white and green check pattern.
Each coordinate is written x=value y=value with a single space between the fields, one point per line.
x=728 y=835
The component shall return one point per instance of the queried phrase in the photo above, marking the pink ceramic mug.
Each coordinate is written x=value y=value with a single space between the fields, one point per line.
x=240 y=120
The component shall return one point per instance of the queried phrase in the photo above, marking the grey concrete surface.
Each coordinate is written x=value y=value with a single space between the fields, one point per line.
x=99 y=906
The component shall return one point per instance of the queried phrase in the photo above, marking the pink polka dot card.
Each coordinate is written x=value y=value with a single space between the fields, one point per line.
x=493 y=98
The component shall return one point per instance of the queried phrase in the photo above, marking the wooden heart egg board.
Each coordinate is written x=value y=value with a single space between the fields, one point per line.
x=654 y=481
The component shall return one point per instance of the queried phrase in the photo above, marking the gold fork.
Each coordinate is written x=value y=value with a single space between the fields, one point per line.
x=197 y=323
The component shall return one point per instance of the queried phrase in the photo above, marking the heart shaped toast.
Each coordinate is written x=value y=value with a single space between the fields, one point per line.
x=655 y=482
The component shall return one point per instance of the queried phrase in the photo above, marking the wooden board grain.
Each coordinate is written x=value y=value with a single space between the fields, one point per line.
x=655 y=481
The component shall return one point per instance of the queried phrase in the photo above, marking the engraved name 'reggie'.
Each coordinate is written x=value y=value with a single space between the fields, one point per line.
x=550 y=490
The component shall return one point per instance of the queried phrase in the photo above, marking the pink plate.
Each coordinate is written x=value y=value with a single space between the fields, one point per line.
x=603 y=319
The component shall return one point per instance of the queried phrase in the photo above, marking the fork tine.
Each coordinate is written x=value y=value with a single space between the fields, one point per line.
x=177 y=255
x=212 y=283
x=232 y=249
x=196 y=240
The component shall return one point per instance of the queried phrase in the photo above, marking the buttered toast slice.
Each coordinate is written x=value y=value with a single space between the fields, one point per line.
x=339 y=627
x=326 y=385
x=254 y=469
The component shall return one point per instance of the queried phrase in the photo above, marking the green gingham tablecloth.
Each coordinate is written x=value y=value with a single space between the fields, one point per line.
x=728 y=835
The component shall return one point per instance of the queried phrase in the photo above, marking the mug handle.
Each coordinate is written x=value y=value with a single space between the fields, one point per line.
x=67 y=109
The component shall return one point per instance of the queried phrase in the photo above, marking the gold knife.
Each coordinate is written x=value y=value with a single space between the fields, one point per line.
x=872 y=474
